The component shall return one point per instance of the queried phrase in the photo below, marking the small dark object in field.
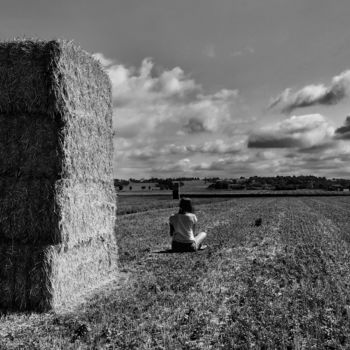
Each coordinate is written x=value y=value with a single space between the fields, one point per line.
x=81 y=331
x=190 y=312
x=10 y=336
x=106 y=335
x=258 y=222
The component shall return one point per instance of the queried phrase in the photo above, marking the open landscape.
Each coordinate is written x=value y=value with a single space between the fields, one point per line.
x=115 y=115
x=283 y=284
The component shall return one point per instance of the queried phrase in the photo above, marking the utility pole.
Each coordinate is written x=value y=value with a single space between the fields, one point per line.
x=176 y=190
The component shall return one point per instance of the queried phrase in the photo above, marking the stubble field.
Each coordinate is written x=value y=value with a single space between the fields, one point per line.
x=281 y=285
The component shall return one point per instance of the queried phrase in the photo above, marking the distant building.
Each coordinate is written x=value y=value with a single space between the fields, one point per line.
x=335 y=187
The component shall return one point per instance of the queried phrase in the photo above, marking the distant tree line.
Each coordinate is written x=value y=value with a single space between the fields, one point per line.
x=120 y=183
x=282 y=183
x=251 y=183
x=159 y=180
x=162 y=184
x=167 y=184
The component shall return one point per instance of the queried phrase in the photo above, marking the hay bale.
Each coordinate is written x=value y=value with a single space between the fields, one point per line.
x=51 y=277
x=56 y=113
x=23 y=76
x=57 y=199
x=30 y=145
x=69 y=212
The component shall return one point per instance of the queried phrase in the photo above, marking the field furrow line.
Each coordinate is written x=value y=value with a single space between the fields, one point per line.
x=228 y=280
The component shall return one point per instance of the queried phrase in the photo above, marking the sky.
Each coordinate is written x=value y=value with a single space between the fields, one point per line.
x=208 y=88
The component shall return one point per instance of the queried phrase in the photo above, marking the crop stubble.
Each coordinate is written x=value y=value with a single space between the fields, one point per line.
x=282 y=285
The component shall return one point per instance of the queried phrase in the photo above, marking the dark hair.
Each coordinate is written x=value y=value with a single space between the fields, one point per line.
x=186 y=206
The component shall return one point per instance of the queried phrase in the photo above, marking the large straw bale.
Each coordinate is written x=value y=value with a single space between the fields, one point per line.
x=51 y=277
x=40 y=211
x=23 y=76
x=42 y=77
x=57 y=199
x=59 y=93
x=83 y=102
x=34 y=146
x=28 y=212
x=28 y=146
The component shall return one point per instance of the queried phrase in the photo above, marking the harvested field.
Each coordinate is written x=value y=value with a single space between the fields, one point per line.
x=129 y=204
x=281 y=285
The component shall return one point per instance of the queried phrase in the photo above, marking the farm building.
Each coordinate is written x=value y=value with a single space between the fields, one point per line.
x=57 y=199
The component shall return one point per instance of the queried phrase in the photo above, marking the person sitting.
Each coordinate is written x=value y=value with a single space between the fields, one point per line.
x=182 y=229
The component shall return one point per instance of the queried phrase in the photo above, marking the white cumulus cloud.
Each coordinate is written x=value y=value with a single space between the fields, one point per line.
x=146 y=98
x=297 y=131
x=103 y=59
x=315 y=94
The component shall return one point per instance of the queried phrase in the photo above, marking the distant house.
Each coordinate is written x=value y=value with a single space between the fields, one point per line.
x=335 y=187
x=268 y=187
x=220 y=185
x=236 y=187
x=241 y=180
x=255 y=187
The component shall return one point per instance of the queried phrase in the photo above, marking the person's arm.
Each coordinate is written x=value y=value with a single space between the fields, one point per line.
x=172 y=230
x=195 y=220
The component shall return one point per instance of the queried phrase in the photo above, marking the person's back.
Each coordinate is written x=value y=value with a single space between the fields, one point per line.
x=183 y=225
x=182 y=228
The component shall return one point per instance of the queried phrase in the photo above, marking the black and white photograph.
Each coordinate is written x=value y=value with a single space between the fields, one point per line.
x=175 y=174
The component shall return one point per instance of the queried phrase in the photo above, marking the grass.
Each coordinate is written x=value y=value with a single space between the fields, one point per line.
x=131 y=204
x=281 y=285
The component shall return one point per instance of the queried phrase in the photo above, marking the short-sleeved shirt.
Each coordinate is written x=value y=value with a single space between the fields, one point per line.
x=183 y=227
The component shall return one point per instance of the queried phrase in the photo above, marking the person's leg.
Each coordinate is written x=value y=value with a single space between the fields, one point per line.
x=200 y=238
x=183 y=247
x=175 y=246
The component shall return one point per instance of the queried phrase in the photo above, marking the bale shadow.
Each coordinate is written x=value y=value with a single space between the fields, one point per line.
x=170 y=251
x=166 y=251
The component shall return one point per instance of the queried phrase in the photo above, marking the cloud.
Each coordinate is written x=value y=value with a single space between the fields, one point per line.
x=148 y=100
x=132 y=86
x=195 y=125
x=327 y=161
x=272 y=141
x=181 y=166
x=331 y=158
x=209 y=51
x=343 y=132
x=317 y=149
x=215 y=165
x=312 y=95
x=217 y=147
x=102 y=59
x=225 y=164
x=161 y=115
x=209 y=113
x=247 y=163
x=244 y=51
x=166 y=124
x=295 y=132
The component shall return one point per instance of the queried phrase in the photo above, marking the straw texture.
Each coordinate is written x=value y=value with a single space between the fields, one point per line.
x=57 y=199
x=51 y=277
